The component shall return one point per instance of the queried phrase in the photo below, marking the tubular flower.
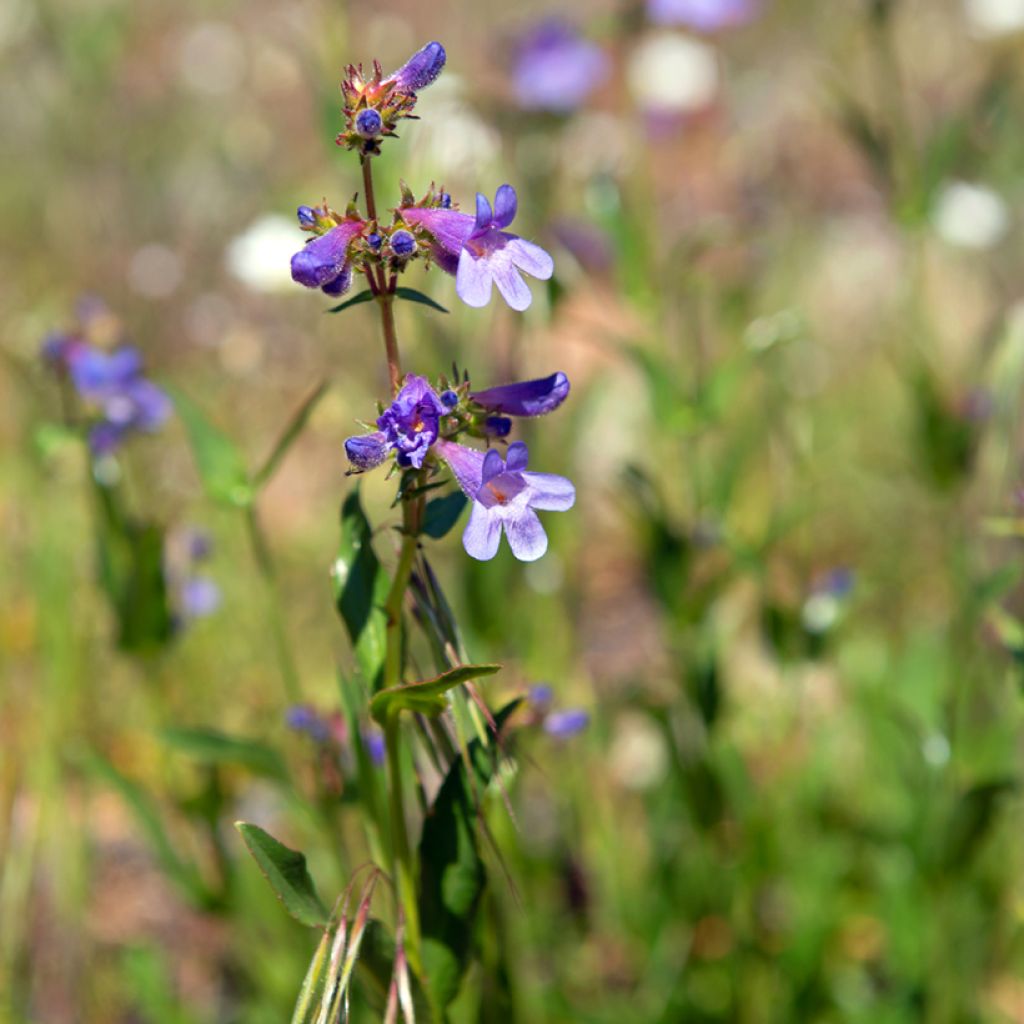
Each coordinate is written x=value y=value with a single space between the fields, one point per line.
x=527 y=398
x=420 y=70
x=556 y=68
x=478 y=251
x=505 y=497
x=491 y=255
x=410 y=424
x=323 y=262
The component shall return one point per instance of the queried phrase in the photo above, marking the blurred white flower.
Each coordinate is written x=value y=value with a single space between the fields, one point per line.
x=995 y=17
x=260 y=257
x=672 y=73
x=638 y=758
x=970 y=216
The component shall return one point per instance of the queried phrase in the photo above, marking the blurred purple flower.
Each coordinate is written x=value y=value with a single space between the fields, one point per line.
x=526 y=398
x=113 y=384
x=410 y=423
x=373 y=740
x=200 y=596
x=541 y=696
x=591 y=246
x=303 y=718
x=703 y=15
x=491 y=255
x=563 y=724
x=504 y=497
x=323 y=261
x=420 y=70
x=556 y=68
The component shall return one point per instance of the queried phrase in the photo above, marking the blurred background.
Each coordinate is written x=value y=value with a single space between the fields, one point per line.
x=788 y=293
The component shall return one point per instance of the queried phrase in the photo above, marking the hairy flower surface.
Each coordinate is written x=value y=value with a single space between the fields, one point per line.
x=505 y=497
x=410 y=423
x=323 y=262
x=527 y=398
x=703 y=15
x=420 y=70
x=556 y=68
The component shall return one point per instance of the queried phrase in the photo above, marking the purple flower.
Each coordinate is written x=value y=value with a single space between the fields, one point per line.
x=556 y=68
x=563 y=724
x=200 y=596
x=373 y=740
x=323 y=262
x=541 y=696
x=303 y=718
x=478 y=252
x=527 y=398
x=410 y=423
x=491 y=255
x=366 y=451
x=504 y=497
x=420 y=70
x=703 y=15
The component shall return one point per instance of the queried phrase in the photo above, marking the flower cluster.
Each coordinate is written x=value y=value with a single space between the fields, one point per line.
x=559 y=723
x=476 y=250
x=119 y=399
x=194 y=593
x=421 y=422
x=374 y=104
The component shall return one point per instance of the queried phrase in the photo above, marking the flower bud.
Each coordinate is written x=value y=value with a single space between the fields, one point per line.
x=563 y=724
x=369 y=123
x=421 y=68
x=307 y=218
x=366 y=451
x=374 y=241
x=527 y=398
x=449 y=398
x=403 y=244
x=498 y=426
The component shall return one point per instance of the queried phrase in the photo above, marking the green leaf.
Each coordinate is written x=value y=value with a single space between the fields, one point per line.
x=441 y=514
x=220 y=464
x=411 y=295
x=360 y=590
x=426 y=698
x=295 y=426
x=357 y=300
x=213 y=747
x=452 y=872
x=285 y=870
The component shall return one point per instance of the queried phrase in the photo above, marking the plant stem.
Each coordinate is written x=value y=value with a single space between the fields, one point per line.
x=371 y=202
x=265 y=564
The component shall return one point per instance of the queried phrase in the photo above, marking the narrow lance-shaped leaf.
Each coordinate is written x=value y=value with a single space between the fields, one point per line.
x=441 y=514
x=213 y=747
x=295 y=426
x=426 y=698
x=357 y=300
x=411 y=295
x=220 y=464
x=285 y=870
x=360 y=590
x=452 y=872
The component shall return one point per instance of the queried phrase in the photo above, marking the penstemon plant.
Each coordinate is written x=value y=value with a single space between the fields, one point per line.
x=420 y=947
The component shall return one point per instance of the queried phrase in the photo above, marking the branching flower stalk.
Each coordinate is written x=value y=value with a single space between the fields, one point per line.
x=420 y=432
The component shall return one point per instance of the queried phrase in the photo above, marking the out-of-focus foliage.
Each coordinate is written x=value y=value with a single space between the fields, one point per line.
x=788 y=294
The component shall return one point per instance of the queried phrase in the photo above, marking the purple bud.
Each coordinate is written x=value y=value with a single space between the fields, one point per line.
x=369 y=123
x=200 y=596
x=527 y=398
x=446 y=201
x=307 y=218
x=403 y=244
x=420 y=69
x=374 y=241
x=373 y=740
x=498 y=426
x=541 y=695
x=449 y=398
x=302 y=718
x=563 y=724
x=366 y=451
x=199 y=545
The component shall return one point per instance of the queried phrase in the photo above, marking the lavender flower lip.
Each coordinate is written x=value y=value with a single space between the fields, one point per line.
x=527 y=398
x=504 y=498
x=556 y=69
